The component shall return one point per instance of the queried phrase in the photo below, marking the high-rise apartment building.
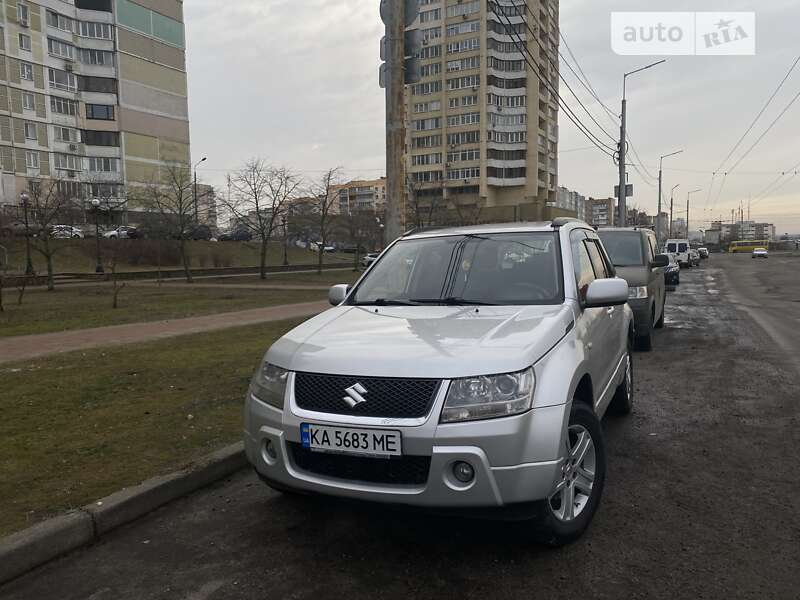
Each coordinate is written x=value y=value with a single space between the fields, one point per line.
x=361 y=195
x=92 y=93
x=482 y=127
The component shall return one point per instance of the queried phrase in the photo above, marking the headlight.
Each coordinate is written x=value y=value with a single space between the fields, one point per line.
x=487 y=397
x=637 y=293
x=269 y=384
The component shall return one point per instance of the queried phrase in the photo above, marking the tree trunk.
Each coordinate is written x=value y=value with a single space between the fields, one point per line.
x=355 y=260
x=2 y=309
x=263 y=265
x=186 y=268
x=22 y=290
x=51 y=284
x=158 y=260
x=320 y=252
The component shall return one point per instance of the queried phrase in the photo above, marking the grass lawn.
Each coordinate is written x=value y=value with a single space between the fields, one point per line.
x=327 y=278
x=76 y=427
x=79 y=256
x=81 y=307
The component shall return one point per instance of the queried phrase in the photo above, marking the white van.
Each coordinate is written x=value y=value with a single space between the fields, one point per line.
x=680 y=248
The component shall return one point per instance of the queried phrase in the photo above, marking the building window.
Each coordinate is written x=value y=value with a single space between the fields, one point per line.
x=432 y=33
x=97 y=57
x=427 y=159
x=473 y=62
x=105 y=190
x=103 y=112
x=62 y=80
x=468 y=173
x=421 y=107
x=508 y=137
x=464 y=155
x=506 y=65
x=101 y=138
x=59 y=48
x=426 y=176
x=28 y=101
x=24 y=42
x=430 y=15
x=466 y=27
x=464 y=46
x=426 y=141
x=463 y=82
x=510 y=173
x=425 y=89
x=97 y=31
x=30 y=131
x=503 y=120
x=67 y=162
x=102 y=165
x=430 y=51
x=431 y=70
x=32 y=160
x=466 y=8
x=507 y=84
x=463 y=137
x=26 y=71
x=507 y=154
x=104 y=85
x=65 y=134
x=23 y=14
x=60 y=21
x=425 y=124
x=63 y=106
x=463 y=119
x=506 y=101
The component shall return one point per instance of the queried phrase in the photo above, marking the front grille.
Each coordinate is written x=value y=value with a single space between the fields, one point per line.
x=403 y=470
x=391 y=398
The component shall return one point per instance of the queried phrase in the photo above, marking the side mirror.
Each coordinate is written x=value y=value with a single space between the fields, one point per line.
x=338 y=293
x=660 y=260
x=606 y=292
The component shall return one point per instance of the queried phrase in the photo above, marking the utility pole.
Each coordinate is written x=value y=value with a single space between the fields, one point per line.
x=660 y=179
x=395 y=73
x=671 y=199
x=688 y=195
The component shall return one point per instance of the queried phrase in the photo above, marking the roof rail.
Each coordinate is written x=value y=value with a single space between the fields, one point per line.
x=419 y=230
x=561 y=221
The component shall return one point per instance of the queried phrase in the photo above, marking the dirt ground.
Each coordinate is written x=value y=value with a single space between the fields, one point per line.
x=701 y=499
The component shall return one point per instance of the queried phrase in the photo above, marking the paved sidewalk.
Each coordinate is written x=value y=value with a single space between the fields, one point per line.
x=34 y=346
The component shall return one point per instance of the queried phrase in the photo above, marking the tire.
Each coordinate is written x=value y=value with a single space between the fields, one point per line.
x=660 y=322
x=555 y=526
x=622 y=401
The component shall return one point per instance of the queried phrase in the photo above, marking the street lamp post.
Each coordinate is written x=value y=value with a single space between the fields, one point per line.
x=194 y=194
x=96 y=209
x=25 y=198
x=688 y=195
x=671 y=200
x=621 y=200
x=660 y=179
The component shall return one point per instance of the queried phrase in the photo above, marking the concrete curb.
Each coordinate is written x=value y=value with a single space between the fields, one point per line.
x=32 y=547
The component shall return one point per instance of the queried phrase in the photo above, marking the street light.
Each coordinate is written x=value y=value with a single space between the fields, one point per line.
x=688 y=195
x=621 y=201
x=24 y=199
x=96 y=209
x=671 y=199
x=201 y=161
x=660 y=179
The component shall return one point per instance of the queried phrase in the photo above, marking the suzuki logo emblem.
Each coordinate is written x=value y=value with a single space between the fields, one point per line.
x=355 y=395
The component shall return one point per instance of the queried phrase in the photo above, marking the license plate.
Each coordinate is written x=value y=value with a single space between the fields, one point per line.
x=373 y=442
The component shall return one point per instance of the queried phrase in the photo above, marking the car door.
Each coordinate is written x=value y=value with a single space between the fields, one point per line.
x=656 y=288
x=611 y=319
x=591 y=326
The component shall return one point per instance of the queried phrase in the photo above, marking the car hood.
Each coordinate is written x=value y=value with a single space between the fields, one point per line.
x=635 y=276
x=422 y=341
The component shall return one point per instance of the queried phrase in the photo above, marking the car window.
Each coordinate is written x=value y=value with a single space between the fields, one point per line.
x=652 y=243
x=623 y=247
x=683 y=247
x=598 y=264
x=582 y=262
x=673 y=247
x=502 y=269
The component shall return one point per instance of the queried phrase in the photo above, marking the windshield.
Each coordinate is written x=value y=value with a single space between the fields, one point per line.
x=501 y=269
x=624 y=247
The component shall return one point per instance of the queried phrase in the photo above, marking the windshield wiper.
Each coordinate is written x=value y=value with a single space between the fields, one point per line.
x=386 y=302
x=451 y=301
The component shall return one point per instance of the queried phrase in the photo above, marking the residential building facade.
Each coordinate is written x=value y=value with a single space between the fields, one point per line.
x=361 y=195
x=482 y=128
x=93 y=93
x=573 y=202
x=601 y=212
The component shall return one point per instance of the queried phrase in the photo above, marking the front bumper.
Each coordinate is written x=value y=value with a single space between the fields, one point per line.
x=516 y=459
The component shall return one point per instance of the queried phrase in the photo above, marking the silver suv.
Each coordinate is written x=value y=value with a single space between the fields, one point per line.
x=467 y=368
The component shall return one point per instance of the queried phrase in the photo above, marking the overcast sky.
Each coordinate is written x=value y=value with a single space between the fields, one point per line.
x=295 y=82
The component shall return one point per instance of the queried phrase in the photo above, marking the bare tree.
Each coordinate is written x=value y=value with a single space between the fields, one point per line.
x=468 y=213
x=49 y=201
x=323 y=197
x=360 y=226
x=170 y=197
x=260 y=196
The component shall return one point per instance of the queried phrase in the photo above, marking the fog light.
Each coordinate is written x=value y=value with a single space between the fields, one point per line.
x=269 y=448
x=463 y=472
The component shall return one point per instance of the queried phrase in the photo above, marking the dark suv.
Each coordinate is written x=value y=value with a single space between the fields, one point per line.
x=634 y=252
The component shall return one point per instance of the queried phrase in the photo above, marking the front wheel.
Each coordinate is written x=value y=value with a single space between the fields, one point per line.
x=569 y=510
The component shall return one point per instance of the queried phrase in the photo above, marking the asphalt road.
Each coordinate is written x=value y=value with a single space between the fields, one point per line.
x=701 y=499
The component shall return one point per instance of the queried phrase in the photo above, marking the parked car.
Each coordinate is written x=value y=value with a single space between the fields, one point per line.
x=694 y=257
x=672 y=272
x=760 y=253
x=237 y=235
x=485 y=386
x=369 y=258
x=633 y=252
x=704 y=254
x=199 y=232
x=61 y=232
x=123 y=232
x=16 y=229
x=680 y=248
x=314 y=247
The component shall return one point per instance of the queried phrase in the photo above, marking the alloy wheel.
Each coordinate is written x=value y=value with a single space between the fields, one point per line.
x=573 y=491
